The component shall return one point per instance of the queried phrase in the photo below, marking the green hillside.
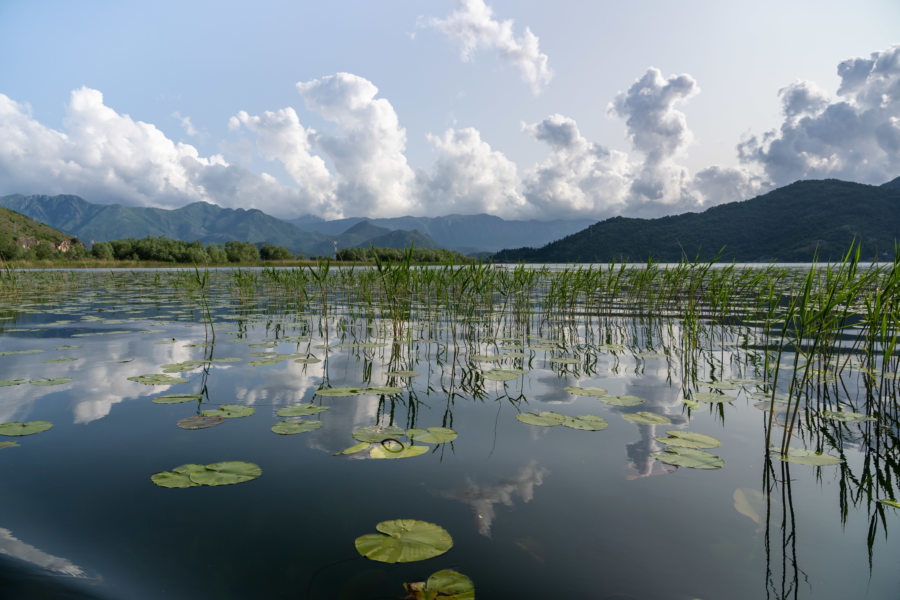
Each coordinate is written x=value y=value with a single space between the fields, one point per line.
x=789 y=224
x=18 y=233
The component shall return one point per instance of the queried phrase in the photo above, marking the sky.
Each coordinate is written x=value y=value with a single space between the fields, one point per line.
x=525 y=109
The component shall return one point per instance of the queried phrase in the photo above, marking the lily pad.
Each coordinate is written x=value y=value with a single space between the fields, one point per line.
x=502 y=374
x=198 y=422
x=402 y=374
x=18 y=428
x=355 y=448
x=339 y=391
x=846 y=416
x=308 y=360
x=586 y=423
x=432 y=435
x=386 y=390
x=176 y=398
x=394 y=449
x=719 y=385
x=586 y=391
x=690 y=458
x=443 y=585
x=171 y=479
x=226 y=473
x=404 y=540
x=67 y=347
x=8 y=444
x=542 y=419
x=376 y=433
x=157 y=379
x=487 y=357
x=295 y=426
x=300 y=410
x=711 y=397
x=564 y=360
x=623 y=400
x=230 y=411
x=10 y=352
x=647 y=418
x=688 y=439
x=60 y=360
x=50 y=381
x=806 y=457
x=9 y=382
x=890 y=502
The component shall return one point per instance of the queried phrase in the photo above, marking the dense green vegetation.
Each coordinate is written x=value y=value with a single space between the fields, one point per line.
x=22 y=238
x=419 y=255
x=796 y=223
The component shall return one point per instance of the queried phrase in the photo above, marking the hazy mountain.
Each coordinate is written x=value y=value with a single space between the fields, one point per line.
x=464 y=233
x=787 y=224
x=401 y=238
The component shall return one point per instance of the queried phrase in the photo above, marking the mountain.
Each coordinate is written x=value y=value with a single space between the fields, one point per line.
x=401 y=238
x=18 y=230
x=789 y=224
x=463 y=233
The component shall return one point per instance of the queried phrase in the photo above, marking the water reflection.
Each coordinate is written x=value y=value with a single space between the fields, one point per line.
x=16 y=548
x=482 y=499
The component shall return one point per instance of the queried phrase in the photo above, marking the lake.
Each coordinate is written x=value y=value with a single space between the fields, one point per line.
x=566 y=463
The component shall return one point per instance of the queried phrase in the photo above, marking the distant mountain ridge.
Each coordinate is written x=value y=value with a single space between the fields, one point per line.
x=793 y=223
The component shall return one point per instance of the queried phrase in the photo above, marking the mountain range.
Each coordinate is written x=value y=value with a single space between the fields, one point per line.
x=794 y=223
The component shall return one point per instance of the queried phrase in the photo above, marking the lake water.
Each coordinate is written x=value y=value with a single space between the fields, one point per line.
x=533 y=511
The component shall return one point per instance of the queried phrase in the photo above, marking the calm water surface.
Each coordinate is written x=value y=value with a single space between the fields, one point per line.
x=534 y=512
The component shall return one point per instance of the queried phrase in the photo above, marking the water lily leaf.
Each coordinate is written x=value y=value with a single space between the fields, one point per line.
x=50 y=381
x=443 y=585
x=688 y=439
x=60 y=360
x=647 y=418
x=226 y=473
x=8 y=444
x=157 y=379
x=300 y=410
x=623 y=400
x=586 y=423
x=394 y=449
x=9 y=382
x=690 y=458
x=295 y=426
x=376 y=433
x=307 y=360
x=501 y=374
x=404 y=540
x=10 y=352
x=176 y=398
x=542 y=419
x=386 y=390
x=711 y=397
x=355 y=448
x=67 y=347
x=18 y=428
x=565 y=360
x=586 y=391
x=402 y=374
x=188 y=468
x=432 y=435
x=487 y=357
x=846 y=416
x=889 y=502
x=170 y=479
x=339 y=391
x=690 y=403
x=199 y=422
x=230 y=411
x=806 y=457
x=719 y=385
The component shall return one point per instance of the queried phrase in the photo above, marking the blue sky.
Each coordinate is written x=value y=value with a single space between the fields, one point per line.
x=523 y=109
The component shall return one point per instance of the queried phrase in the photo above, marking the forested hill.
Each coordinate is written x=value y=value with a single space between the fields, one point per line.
x=789 y=224
x=18 y=231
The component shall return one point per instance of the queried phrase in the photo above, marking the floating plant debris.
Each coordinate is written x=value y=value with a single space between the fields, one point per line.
x=404 y=540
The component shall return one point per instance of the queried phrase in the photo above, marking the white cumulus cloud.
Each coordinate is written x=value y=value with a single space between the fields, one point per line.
x=474 y=27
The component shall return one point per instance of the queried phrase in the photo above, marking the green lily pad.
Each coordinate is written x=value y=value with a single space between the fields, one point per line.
x=170 y=479
x=395 y=449
x=340 y=391
x=67 y=347
x=226 y=473
x=8 y=444
x=719 y=385
x=11 y=352
x=586 y=423
x=295 y=426
x=890 y=502
x=157 y=379
x=542 y=419
x=230 y=411
x=564 y=360
x=50 y=381
x=308 y=360
x=502 y=374
x=198 y=422
x=300 y=410
x=688 y=439
x=487 y=357
x=711 y=397
x=385 y=390
x=690 y=458
x=355 y=448
x=586 y=391
x=647 y=418
x=443 y=585
x=623 y=400
x=432 y=435
x=176 y=398
x=9 y=382
x=806 y=457
x=846 y=416
x=376 y=433
x=60 y=360
x=18 y=428
x=690 y=403
x=404 y=540
x=402 y=374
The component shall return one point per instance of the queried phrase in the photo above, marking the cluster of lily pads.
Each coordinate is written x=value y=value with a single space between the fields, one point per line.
x=19 y=429
x=385 y=442
x=220 y=473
